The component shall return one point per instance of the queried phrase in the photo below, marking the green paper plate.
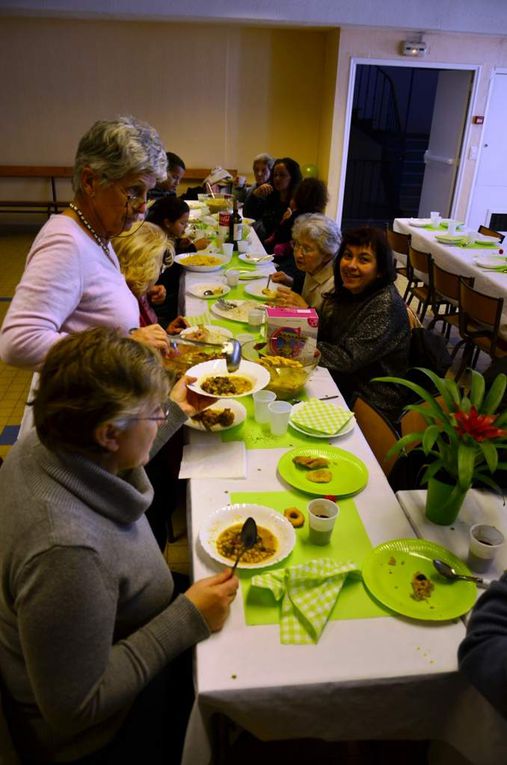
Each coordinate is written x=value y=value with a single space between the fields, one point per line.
x=349 y=472
x=388 y=571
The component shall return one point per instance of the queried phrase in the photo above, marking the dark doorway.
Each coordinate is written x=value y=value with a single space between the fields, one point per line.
x=389 y=135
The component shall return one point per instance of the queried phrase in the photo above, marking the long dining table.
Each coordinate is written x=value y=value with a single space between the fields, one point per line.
x=373 y=675
x=462 y=260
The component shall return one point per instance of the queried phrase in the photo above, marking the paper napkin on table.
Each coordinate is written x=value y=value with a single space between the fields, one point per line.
x=203 y=318
x=320 y=417
x=214 y=460
x=308 y=592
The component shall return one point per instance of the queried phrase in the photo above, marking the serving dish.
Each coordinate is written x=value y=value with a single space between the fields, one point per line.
x=215 y=261
x=254 y=373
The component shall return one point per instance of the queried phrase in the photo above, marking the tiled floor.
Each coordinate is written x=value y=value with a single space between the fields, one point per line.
x=14 y=383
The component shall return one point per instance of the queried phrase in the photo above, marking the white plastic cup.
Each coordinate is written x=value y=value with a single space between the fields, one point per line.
x=485 y=542
x=452 y=227
x=262 y=399
x=279 y=413
x=255 y=319
x=227 y=249
x=232 y=277
x=322 y=514
x=243 y=245
x=435 y=218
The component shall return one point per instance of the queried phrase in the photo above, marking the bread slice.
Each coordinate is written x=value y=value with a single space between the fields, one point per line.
x=311 y=463
x=319 y=476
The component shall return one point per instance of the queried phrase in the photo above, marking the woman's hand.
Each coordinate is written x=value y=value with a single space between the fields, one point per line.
x=188 y=400
x=213 y=597
x=282 y=278
x=176 y=325
x=157 y=294
x=153 y=335
x=287 y=297
x=264 y=190
x=201 y=244
x=287 y=214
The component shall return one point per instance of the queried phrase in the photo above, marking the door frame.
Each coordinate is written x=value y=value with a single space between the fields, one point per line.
x=475 y=69
x=496 y=70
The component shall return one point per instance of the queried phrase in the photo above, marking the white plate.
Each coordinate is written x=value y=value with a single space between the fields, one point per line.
x=256 y=290
x=218 y=333
x=240 y=313
x=255 y=259
x=258 y=376
x=419 y=222
x=492 y=261
x=347 y=428
x=238 y=411
x=483 y=239
x=450 y=238
x=247 y=276
x=197 y=290
x=263 y=516
x=200 y=269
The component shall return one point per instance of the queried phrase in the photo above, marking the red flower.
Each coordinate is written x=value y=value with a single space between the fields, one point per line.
x=478 y=426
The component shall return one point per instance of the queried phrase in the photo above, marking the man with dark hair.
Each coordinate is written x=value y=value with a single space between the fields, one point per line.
x=175 y=172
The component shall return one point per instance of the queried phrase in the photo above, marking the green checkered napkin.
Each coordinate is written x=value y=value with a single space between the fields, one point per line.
x=308 y=592
x=316 y=416
x=203 y=318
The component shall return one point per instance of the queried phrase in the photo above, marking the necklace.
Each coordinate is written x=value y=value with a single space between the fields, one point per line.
x=100 y=241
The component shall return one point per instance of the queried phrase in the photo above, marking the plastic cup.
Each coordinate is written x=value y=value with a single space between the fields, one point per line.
x=452 y=227
x=232 y=277
x=262 y=399
x=435 y=218
x=255 y=319
x=485 y=542
x=243 y=246
x=279 y=413
x=227 y=249
x=322 y=514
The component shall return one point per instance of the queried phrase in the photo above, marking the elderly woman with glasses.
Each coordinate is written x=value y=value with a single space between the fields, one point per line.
x=316 y=240
x=94 y=637
x=72 y=279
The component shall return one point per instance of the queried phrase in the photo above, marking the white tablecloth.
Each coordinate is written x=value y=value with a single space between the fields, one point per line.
x=459 y=260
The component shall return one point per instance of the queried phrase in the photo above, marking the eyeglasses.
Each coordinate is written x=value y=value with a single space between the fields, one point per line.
x=134 y=198
x=164 y=408
x=305 y=249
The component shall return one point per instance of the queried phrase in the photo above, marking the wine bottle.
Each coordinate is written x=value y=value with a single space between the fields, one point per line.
x=237 y=224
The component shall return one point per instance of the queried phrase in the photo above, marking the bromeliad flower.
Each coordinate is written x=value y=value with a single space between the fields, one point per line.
x=479 y=426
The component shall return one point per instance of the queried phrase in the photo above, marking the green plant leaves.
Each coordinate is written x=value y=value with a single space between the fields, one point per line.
x=495 y=394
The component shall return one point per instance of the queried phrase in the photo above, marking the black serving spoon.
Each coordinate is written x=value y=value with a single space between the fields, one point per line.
x=248 y=537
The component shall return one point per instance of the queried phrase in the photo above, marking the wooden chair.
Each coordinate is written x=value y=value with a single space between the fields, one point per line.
x=399 y=244
x=419 y=265
x=378 y=432
x=479 y=322
x=446 y=296
x=490 y=232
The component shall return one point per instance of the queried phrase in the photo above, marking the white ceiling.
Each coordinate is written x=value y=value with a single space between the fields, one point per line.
x=479 y=16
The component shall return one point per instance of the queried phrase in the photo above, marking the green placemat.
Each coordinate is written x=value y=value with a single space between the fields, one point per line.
x=257 y=436
x=349 y=542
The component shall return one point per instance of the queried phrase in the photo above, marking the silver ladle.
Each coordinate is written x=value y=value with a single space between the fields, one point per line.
x=447 y=571
x=230 y=348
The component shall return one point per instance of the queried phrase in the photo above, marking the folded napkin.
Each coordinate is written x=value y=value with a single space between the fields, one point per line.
x=203 y=318
x=308 y=592
x=319 y=417
x=214 y=460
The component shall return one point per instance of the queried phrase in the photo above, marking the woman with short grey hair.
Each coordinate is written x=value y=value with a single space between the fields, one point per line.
x=316 y=241
x=255 y=197
x=72 y=279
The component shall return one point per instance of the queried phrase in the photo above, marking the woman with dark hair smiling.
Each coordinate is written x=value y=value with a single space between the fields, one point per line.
x=364 y=330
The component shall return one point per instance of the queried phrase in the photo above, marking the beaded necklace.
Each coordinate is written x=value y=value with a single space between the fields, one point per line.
x=100 y=241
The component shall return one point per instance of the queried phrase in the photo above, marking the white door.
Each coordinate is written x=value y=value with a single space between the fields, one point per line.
x=446 y=137
x=489 y=194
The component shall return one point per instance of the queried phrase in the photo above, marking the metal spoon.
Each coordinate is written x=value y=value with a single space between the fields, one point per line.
x=230 y=348
x=248 y=537
x=448 y=572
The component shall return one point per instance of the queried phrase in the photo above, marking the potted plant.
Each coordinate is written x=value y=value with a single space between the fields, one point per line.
x=465 y=440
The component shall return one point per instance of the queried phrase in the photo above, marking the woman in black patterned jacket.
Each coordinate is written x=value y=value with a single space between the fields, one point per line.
x=364 y=330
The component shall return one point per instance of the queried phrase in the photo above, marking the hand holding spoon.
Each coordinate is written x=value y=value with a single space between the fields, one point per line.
x=248 y=537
